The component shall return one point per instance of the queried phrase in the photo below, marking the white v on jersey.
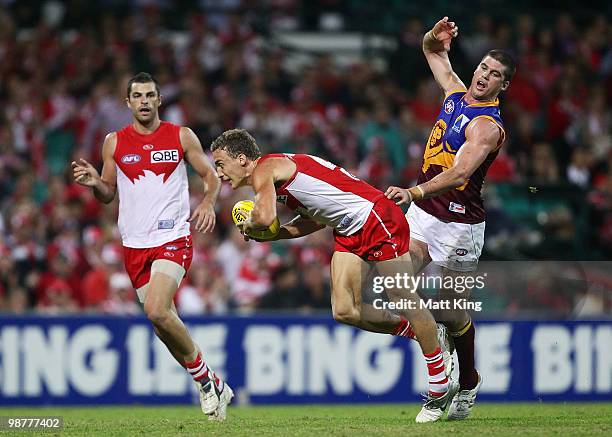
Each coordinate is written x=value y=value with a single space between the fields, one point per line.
x=152 y=186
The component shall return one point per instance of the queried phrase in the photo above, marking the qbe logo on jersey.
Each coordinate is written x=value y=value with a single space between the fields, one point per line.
x=160 y=156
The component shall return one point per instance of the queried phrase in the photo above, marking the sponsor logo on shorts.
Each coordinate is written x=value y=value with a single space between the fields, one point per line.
x=456 y=207
x=148 y=147
x=171 y=248
x=130 y=159
x=282 y=199
x=377 y=254
x=165 y=224
x=449 y=107
x=169 y=254
x=461 y=252
x=345 y=222
x=161 y=156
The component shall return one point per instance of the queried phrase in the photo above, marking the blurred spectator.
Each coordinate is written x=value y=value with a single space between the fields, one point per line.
x=601 y=201
x=579 y=170
x=96 y=286
x=286 y=291
x=205 y=292
x=17 y=301
x=544 y=169
x=503 y=169
x=385 y=128
x=253 y=278
x=376 y=167
x=121 y=296
x=58 y=298
x=316 y=282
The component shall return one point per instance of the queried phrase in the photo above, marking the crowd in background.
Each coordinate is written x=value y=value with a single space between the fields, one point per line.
x=63 y=87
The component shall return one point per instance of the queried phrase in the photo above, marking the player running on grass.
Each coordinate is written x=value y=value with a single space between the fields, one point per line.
x=145 y=163
x=370 y=232
x=447 y=217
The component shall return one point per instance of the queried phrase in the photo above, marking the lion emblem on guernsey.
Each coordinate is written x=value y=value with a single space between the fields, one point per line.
x=449 y=107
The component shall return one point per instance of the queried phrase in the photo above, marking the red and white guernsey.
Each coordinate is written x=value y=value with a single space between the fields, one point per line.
x=326 y=193
x=152 y=185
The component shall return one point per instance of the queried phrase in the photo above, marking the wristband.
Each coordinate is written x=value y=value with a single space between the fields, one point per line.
x=416 y=193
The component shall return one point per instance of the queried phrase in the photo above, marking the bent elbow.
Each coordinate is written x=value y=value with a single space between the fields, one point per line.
x=262 y=220
x=267 y=222
x=461 y=178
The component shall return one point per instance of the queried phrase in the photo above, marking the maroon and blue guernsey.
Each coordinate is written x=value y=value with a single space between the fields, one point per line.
x=463 y=204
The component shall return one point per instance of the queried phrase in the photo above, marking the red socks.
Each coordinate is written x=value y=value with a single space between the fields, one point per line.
x=438 y=381
x=404 y=329
x=200 y=372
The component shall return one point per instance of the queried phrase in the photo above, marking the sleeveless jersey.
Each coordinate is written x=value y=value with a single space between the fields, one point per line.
x=326 y=193
x=152 y=185
x=463 y=204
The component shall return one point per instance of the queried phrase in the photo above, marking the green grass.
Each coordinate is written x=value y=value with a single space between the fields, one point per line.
x=337 y=420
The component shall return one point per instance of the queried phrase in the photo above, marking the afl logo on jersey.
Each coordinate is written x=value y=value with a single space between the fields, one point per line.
x=148 y=147
x=130 y=159
x=449 y=107
x=159 y=156
x=461 y=252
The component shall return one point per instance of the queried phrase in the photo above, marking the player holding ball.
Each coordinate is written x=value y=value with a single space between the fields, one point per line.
x=370 y=232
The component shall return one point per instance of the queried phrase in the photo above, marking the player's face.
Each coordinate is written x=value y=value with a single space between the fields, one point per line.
x=488 y=80
x=144 y=101
x=232 y=170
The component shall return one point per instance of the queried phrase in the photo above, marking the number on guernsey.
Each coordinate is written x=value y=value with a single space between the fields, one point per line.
x=331 y=166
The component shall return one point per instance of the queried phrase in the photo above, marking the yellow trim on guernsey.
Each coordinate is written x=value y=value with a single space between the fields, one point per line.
x=488 y=117
x=453 y=91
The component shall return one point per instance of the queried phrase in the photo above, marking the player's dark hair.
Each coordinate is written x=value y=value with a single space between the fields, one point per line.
x=506 y=60
x=142 y=77
x=236 y=142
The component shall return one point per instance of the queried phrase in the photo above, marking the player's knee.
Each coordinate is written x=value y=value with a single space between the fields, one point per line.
x=157 y=315
x=347 y=315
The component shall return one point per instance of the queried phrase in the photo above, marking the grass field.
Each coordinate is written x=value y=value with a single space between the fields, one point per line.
x=337 y=420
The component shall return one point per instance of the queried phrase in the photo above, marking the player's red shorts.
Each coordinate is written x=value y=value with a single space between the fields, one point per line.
x=385 y=235
x=138 y=261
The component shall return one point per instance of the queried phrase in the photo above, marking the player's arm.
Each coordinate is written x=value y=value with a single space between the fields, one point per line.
x=436 y=45
x=204 y=213
x=298 y=227
x=263 y=178
x=105 y=186
x=482 y=138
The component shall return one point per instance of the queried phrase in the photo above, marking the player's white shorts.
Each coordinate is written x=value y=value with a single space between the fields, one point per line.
x=456 y=246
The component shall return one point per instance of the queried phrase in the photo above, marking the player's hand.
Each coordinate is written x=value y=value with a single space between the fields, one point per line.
x=84 y=173
x=400 y=195
x=244 y=227
x=204 y=217
x=444 y=31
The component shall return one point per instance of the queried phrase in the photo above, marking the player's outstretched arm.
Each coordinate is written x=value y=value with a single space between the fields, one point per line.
x=105 y=186
x=436 y=45
x=204 y=213
x=299 y=227
x=482 y=137
x=296 y=228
